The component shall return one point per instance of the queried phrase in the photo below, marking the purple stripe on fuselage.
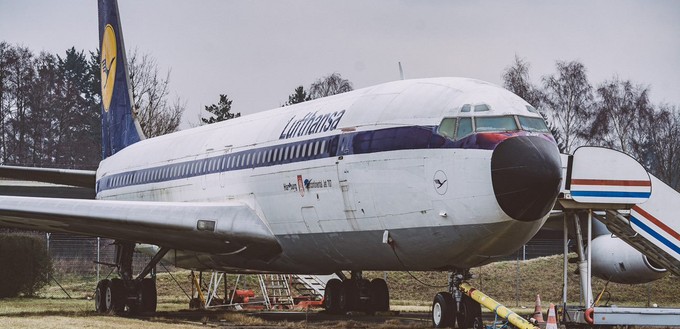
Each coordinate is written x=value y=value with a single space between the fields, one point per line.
x=363 y=142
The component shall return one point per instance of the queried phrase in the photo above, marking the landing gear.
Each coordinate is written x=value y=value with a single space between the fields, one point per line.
x=356 y=294
x=331 y=298
x=118 y=295
x=100 y=301
x=380 y=296
x=454 y=306
x=469 y=313
x=443 y=310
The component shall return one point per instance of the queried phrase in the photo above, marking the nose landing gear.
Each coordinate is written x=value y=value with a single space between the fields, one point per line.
x=451 y=307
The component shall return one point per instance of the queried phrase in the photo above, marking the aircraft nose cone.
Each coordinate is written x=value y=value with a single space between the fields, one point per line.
x=526 y=174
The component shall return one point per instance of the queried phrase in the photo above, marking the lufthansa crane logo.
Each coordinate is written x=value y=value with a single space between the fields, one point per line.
x=108 y=65
x=441 y=182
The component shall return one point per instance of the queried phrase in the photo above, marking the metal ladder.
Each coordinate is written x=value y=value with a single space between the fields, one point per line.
x=276 y=291
x=312 y=286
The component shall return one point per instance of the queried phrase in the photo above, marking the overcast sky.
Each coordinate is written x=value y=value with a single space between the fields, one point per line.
x=257 y=52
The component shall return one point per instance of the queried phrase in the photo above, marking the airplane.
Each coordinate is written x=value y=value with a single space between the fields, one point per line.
x=427 y=174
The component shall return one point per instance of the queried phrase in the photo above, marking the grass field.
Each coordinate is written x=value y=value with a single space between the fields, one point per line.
x=51 y=308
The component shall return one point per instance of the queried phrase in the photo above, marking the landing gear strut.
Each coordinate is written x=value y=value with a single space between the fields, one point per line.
x=126 y=293
x=356 y=294
x=451 y=307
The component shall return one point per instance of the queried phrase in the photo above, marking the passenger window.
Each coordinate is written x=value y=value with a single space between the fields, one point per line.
x=448 y=127
x=464 y=127
x=285 y=153
x=297 y=151
x=304 y=149
x=506 y=123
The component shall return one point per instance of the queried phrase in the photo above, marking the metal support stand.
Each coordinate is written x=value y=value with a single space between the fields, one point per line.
x=589 y=287
x=565 y=261
x=584 y=273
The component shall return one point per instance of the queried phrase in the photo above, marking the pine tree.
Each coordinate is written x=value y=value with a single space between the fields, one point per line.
x=299 y=96
x=220 y=111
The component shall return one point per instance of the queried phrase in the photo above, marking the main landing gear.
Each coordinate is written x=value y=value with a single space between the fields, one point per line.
x=125 y=294
x=451 y=307
x=356 y=294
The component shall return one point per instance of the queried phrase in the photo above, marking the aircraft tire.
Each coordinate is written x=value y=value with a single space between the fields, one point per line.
x=443 y=311
x=380 y=296
x=100 y=296
x=115 y=297
x=470 y=314
x=331 y=299
x=349 y=296
x=148 y=298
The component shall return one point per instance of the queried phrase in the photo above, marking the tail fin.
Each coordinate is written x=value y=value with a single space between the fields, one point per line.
x=119 y=127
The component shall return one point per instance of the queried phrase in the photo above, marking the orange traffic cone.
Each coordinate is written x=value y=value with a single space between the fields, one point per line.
x=538 y=311
x=552 y=318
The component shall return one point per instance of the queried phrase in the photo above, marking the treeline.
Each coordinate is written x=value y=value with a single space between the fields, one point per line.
x=49 y=108
x=614 y=113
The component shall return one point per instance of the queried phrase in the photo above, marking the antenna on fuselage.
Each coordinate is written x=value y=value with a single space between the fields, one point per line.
x=401 y=71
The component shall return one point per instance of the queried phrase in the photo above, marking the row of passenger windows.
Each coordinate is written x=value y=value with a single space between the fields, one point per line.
x=242 y=160
x=457 y=128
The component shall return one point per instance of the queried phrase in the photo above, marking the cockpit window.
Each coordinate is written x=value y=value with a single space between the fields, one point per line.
x=482 y=108
x=533 y=124
x=505 y=123
x=532 y=109
x=448 y=127
x=465 y=108
x=464 y=127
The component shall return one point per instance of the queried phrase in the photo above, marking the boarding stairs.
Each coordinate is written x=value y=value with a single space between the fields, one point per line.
x=640 y=208
x=636 y=207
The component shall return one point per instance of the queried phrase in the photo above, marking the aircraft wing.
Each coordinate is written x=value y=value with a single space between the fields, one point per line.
x=80 y=178
x=220 y=227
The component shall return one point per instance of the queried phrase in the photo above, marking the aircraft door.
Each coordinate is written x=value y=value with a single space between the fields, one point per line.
x=345 y=188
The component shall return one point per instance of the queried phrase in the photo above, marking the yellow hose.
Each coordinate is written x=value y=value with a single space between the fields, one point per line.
x=493 y=305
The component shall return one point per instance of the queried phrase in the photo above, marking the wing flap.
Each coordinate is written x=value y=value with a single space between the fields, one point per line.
x=224 y=227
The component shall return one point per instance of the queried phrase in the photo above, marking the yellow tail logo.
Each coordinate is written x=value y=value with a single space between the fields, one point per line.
x=108 y=65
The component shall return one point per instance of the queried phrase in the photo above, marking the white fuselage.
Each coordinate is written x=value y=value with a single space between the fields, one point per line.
x=330 y=176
